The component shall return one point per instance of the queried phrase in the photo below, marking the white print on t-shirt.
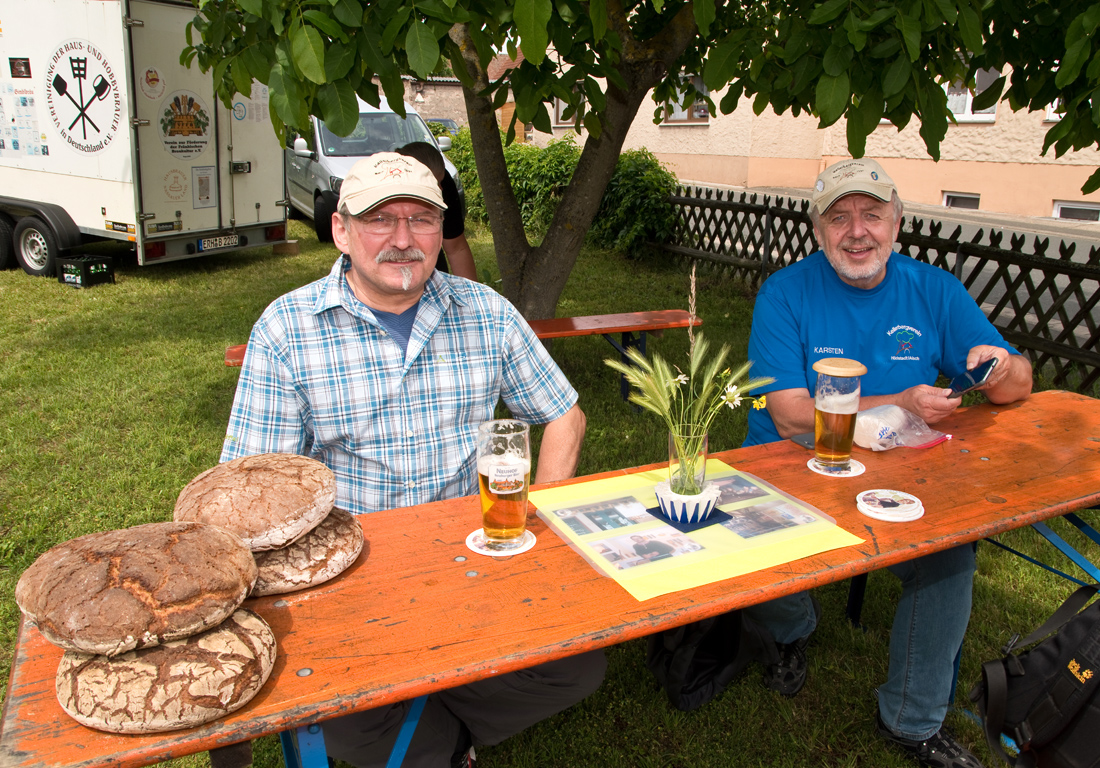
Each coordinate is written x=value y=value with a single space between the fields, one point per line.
x=905 y=336
x=828 y=350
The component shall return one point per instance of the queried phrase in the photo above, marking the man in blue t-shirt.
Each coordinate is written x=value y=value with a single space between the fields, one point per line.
x=907 y=322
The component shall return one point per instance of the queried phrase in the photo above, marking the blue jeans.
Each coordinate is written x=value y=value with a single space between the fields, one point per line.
x=929 y=625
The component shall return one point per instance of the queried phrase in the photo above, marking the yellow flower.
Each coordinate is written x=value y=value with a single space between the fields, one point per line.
x=760 y=402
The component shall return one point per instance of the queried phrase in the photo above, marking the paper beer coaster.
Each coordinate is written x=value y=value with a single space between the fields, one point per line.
x=854 y=468
x=477 y=542
x=890 y=506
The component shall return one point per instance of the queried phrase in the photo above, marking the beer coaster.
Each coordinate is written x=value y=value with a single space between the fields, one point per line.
x=889 y=505
x=854 y=468
x=477 y=542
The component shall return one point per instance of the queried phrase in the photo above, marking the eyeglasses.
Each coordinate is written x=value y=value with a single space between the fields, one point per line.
x=386 y=223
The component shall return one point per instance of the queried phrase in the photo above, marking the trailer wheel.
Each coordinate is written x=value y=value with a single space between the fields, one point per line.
x=322 y=219
x=7 y=245
x=36 y=247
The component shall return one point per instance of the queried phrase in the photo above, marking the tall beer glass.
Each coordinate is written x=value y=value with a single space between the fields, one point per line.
x=504 y=474
x=836 y=402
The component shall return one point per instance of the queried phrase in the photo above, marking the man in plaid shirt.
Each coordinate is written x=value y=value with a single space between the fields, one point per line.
x=382 y=370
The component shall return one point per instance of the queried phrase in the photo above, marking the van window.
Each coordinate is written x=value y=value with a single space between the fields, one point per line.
x=376 y=132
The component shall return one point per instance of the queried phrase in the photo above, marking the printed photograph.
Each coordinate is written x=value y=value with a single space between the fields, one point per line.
x=736 y=488
x=604 y=515
x=766 y=518
x=640 y=548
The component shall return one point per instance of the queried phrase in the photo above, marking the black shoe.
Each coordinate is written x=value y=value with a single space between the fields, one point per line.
x=789 y=675
x=940 y=750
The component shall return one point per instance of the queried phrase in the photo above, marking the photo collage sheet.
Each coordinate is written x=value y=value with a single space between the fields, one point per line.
x=615 y=525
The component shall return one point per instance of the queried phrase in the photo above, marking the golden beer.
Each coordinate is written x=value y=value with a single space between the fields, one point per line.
x=504 y=501
x=833 y=433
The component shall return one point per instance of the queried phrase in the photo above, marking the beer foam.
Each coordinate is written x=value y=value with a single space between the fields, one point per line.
x=507 y=459
x=838 y=403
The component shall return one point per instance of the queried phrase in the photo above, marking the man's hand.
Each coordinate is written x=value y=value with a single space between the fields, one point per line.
x=930 y=403
x=1011 y=377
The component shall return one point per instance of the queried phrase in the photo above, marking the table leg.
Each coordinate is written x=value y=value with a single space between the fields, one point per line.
x=305 y=751
x=629 y=341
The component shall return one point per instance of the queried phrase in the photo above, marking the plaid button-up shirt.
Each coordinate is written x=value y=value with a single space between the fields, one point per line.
x=322 y=378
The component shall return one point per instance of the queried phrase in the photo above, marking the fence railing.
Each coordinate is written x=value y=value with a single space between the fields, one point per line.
x=1044 y=305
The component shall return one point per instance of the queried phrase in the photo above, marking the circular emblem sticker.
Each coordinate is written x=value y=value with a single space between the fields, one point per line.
x=151 y=83
x=83 y=96
x=184 y=124
x=240 y=111
x=175 y=185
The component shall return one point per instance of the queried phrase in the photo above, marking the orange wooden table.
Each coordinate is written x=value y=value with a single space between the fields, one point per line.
x=419 y=612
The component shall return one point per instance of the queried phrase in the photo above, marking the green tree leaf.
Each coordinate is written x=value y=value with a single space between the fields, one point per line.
x=910 y=35
x=721 y=64
x=990 y=95
x=1076 y=55
x=422 y=49
x=532 y=18
x=348 y=12
x=339 y=107
x=308 y=49
x=896 y=76
x=704 y=14
x=970 y=27
x=832 y=97
x=255 y=7
x=837 y=59
x=948 y=10
x=242 y=79
x=826 y=12
x=597 y=13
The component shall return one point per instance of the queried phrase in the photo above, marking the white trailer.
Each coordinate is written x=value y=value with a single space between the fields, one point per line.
x=106 y=135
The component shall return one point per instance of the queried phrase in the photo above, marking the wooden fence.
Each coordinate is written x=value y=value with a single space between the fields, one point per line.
x=1044 y=305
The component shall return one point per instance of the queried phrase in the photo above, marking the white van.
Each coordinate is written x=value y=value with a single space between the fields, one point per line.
x=316 y=165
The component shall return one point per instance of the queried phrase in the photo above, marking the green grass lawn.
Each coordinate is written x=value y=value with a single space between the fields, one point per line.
x=112 y=398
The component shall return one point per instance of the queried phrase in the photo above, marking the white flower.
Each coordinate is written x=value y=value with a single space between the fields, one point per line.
x=733 y=396
x=681 y=379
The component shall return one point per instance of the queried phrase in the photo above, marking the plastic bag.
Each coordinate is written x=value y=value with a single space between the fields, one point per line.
x=888 y=426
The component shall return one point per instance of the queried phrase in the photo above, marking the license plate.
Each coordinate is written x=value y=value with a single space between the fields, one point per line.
x=214 y=243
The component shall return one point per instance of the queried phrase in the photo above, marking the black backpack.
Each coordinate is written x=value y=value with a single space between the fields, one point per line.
x=1047 y=698
x=695 y=662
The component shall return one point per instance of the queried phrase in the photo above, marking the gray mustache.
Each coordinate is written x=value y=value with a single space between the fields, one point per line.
x=392 y=254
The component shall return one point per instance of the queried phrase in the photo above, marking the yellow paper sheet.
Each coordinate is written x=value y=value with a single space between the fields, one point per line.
x=606 y=522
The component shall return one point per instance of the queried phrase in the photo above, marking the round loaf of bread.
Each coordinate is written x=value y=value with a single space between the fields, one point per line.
x=112 y=592
x=323 y=553
x=269 y=500
x=176 y=685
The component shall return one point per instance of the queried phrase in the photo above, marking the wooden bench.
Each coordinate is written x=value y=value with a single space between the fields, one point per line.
x=631 y=326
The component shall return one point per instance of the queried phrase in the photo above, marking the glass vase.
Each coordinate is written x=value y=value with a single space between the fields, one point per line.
x=687 y=461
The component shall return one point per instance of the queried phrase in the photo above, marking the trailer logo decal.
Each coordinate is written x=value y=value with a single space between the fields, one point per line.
x=83 y=96
x=151 y=84
x=184 y=124
x=175 y=185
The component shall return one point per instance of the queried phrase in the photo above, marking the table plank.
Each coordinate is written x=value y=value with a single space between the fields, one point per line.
x=628 y=322
x=419 y=612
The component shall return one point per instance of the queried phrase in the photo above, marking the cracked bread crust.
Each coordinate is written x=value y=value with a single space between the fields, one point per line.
x=269 y=500
x=322 y=554
x=180 y=684
x=114 y=591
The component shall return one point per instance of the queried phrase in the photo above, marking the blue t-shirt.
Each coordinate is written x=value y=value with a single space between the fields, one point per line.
x=917 y=323
x=398 y=326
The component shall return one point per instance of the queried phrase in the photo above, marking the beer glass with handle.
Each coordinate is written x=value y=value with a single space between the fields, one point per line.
x=836 y=402
x=504 y=475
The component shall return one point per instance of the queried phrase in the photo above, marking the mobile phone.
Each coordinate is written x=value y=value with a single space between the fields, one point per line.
x=806 y=440
x=973 y=378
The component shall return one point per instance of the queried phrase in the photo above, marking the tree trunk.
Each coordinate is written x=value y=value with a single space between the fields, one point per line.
x=533 y=278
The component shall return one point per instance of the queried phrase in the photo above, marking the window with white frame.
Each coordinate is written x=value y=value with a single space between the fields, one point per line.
x=694 y=112
x=960 y=98
x=1077 y=211
x=961 y=200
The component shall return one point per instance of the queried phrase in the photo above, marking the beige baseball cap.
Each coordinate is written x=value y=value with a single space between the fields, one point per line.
x=864 y=176
x=385 y=176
